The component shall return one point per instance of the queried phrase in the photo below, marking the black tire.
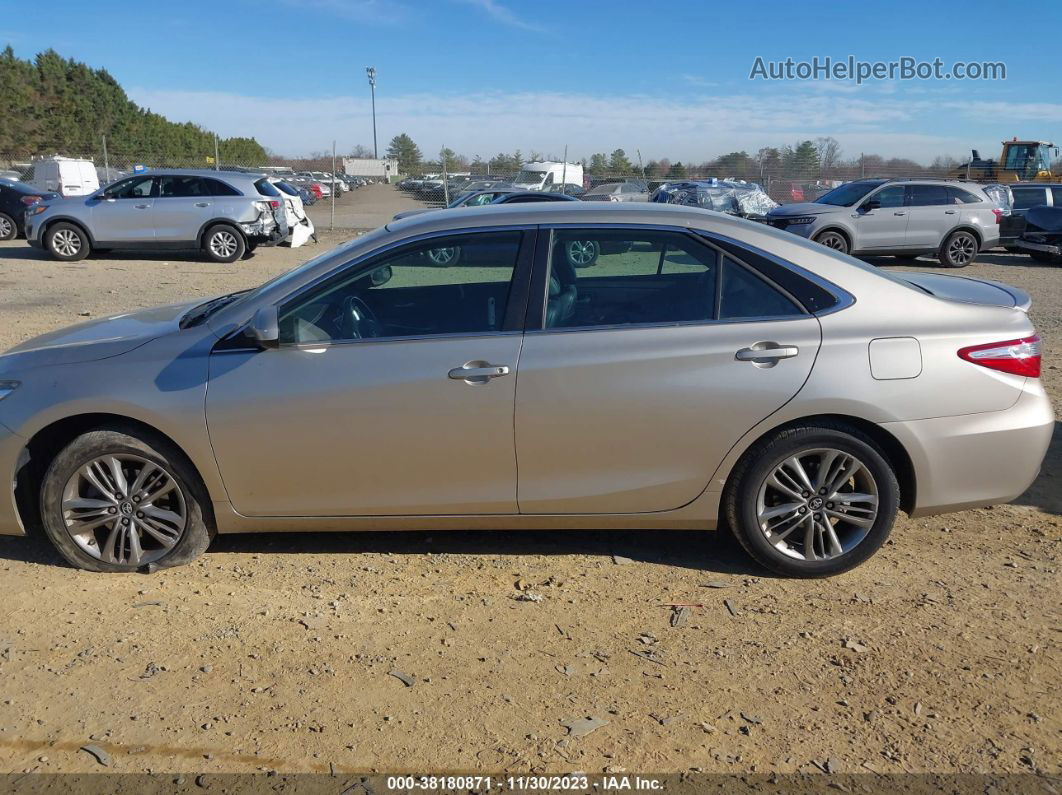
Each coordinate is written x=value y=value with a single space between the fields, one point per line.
x=196 y=534
x=8 y=227
x=67 y=242
x=742 y=495
x=959 y=249
x=831 y=238
x=224 y=243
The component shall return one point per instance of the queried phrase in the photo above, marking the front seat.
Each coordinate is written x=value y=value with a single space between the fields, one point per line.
x=562 y=292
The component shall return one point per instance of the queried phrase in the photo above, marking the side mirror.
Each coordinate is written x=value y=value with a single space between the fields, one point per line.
x=871 y=204
x=265 y=328
x=381 y=276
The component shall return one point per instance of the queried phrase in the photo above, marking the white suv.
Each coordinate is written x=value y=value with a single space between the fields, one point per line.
x=888 y=217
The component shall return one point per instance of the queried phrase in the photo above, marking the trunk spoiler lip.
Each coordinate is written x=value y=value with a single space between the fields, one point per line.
x=1021 y=299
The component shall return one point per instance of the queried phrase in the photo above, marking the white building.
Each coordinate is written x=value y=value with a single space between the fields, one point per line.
x=381 y=168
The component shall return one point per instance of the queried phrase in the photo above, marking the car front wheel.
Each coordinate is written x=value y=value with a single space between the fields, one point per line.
x=67 y=242
x=812 y=501
x=222 y=243
x=834 y=240
x=113 y=501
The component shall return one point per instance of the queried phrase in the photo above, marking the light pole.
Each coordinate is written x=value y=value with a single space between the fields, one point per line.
x=371 y=72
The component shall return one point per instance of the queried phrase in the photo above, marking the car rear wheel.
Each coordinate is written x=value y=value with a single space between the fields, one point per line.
x=958 y=250
x=67 y=242
x=113 y=501
x=834 y=240
x=222 y=243
x=812 y=501
x=8 y=229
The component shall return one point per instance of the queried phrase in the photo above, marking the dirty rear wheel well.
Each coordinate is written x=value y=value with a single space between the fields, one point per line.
x=47 y=443
x=895 y=453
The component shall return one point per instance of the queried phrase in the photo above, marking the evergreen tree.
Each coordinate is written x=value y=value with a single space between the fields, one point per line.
x=405 y=152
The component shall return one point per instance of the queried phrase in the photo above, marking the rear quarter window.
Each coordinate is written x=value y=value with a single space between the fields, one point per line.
x=266 y=188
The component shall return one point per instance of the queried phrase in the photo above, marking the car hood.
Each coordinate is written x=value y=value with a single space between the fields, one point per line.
x=800 y=208
x=96 y=339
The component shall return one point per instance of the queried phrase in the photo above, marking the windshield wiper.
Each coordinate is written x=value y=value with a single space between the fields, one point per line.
x=200 y=313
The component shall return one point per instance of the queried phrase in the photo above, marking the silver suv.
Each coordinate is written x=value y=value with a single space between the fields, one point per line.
x=888 y=217
x=225 y=214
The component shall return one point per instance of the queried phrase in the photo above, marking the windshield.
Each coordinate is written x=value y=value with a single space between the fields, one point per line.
x=530 y=177
x=848 y=194
x=602 y=189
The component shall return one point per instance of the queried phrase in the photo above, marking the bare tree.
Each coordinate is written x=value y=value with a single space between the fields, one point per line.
x=829 y=150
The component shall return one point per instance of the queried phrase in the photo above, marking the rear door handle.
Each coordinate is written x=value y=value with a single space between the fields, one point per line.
x=141 y=206
x=769 y=352
x=903 y=213
x=949 y=212
x=202 y=204
x=478 y=372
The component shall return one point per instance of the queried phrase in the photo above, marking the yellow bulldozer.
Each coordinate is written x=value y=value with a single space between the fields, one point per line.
x=1020 y=161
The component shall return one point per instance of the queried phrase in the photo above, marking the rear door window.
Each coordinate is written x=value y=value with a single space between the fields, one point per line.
x=181 y=186
x=927 y=195
x=215 y=187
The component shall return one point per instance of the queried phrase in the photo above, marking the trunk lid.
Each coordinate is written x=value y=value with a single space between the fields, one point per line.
x=969 y=291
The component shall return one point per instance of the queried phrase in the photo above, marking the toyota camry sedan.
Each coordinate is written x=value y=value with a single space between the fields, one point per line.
x=701 y=371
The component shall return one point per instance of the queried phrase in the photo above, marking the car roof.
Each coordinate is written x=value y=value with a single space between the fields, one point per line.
x=200 y=172
x=552 y=212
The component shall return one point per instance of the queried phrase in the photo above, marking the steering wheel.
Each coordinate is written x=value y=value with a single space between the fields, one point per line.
x=359 y=321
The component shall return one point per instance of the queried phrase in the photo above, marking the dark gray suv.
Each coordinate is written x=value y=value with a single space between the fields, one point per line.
x=224 y=214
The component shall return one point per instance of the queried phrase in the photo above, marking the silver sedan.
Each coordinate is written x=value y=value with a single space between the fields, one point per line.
x=698 y=371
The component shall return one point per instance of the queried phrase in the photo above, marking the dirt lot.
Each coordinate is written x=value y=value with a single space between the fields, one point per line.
x=272 y=652
x=365 y=208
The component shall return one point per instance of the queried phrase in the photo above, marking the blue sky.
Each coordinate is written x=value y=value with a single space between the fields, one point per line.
x=484 y=76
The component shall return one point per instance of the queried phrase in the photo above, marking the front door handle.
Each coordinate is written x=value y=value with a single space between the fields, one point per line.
x=764 y=352
x=141 y=206
x=202 y=204
x=898 y=213
x=477 y=372
x=949 y=212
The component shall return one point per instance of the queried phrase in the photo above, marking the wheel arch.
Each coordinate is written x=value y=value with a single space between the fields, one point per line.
x=46 y=443
x=201 y=237
x=834 y=227
x=50 y=222
x=894 y=451
x=964 y=227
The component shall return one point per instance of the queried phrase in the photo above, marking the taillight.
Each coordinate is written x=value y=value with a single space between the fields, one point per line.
x=31 y=200
x=1018 y=357
x=998 y=213
x=274 y=204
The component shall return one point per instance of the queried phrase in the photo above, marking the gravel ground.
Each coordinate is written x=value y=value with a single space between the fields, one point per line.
x=289 y=653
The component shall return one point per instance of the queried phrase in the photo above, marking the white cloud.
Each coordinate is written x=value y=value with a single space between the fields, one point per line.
x=487 y=123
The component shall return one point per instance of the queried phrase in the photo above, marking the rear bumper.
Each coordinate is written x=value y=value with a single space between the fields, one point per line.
x=11 y=447
x=978 y=459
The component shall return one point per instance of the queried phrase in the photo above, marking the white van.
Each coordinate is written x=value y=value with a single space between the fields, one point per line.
x=67 y=176
x=544 y=174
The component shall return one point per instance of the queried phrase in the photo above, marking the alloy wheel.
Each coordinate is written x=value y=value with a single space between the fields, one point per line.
x=5 y=228
x=817 y=504
x=124 y=509
x=66 y=242
x=224 y=243
x=443 y=256
x=961 y=249
x=582 y=253
x=834 y=241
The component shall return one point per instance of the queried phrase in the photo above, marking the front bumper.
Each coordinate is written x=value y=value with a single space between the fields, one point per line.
x=11 y=451
x=978 y=459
